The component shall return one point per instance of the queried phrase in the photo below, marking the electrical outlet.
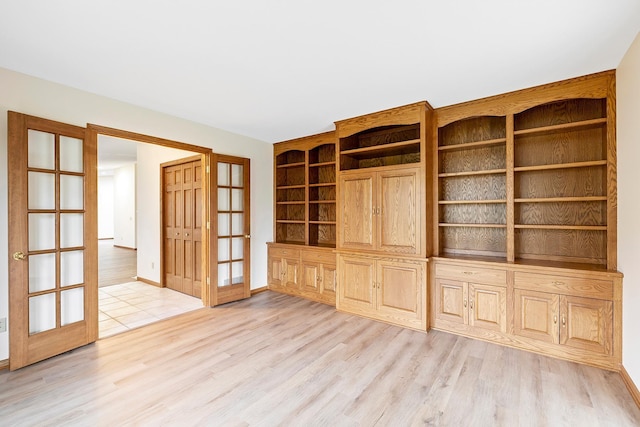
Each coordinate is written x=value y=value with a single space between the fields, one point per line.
x=3 y=324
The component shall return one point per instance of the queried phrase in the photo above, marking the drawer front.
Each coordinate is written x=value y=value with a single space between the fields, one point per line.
x=284 y=252
x=324 y=257
x=472 y=274
x=565 y=285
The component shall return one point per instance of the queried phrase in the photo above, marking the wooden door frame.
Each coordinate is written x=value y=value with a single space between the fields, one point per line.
x=206 y=154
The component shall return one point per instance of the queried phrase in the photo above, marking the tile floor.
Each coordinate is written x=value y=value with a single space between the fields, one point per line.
x=131 y=305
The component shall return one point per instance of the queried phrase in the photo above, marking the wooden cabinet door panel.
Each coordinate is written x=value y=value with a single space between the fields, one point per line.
x=291 y=271
x=356 y=277
x=400 y=288
x=488 y=307
x=329 y=279
x=536 y=315
x=275 y=271
x=356 y=202
x=451 y=301
x=586 y=323
x=398 y=214
x=310 y=277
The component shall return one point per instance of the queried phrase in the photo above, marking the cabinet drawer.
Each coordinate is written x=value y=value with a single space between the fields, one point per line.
x=566 y=285
x=324 y=257
x=284 y=252
x=472 y=274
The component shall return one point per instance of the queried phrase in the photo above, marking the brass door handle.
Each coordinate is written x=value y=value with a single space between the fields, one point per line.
x=247 y=236
x=19 y=256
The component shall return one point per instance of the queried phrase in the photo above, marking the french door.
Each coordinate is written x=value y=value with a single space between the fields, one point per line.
x=53 y=293
x=231 y=236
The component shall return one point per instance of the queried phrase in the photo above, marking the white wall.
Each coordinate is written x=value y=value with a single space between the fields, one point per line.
x=628 y=94
x=124 y=206
x=149 y=159
x=105 y=207
x=41 y=98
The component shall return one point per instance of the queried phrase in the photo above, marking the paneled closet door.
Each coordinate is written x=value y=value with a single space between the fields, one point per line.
x=232 y=235
x=52 y=239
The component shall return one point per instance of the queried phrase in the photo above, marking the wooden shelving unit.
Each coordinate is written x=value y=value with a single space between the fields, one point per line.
x=301 y=260
x=472 y=187
x=530 y=184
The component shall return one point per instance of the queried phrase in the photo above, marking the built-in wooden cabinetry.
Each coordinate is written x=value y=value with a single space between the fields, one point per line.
x=302 y=259
x=494 y=219
x=526 y=221
x=382 y=241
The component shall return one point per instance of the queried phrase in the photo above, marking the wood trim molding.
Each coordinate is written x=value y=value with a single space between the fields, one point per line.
x=633 y=389
x=104 y=130
x=149 y=282
x=125 y=247
x=4 y=364
x=259 y=290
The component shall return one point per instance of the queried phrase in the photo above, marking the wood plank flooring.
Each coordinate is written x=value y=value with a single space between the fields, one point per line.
x=115 y=265
x=279 y=360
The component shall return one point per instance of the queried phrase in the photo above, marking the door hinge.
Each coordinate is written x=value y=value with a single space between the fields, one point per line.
x=208 y=225
x=207 y=169
x=208 y=281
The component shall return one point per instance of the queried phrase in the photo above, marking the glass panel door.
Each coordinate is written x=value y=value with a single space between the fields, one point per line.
x=50 y=195
x=232 y=235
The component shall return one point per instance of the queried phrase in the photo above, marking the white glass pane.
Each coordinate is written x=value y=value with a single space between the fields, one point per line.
x=42 y=272
x=223 y=174
x=223 y=199
x=236 y=175
x=71 y=230
x=71 y=268
x=71 y=306
x=42 y=313
x=223 y=275
x=237 y=224
x=71 y=159
x=223 y=250
x=224 y=225
x=42 y=232
x=237 y=199
x=71 y=192
x=237 y=273
x=42 y=190
x=237 y=248
x=42 y=150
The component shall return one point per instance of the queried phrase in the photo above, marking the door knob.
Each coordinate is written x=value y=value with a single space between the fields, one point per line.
x=247 y=236
x=19 y=256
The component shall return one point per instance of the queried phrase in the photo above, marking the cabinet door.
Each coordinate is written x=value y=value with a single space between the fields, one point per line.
x=451 y=301
x=329 y=279
x=310 y=276
x=357 y=229
x=291 y=273
x=536 y=315
x=356 y=291
x=488 y=307
x=399 y=211
x=275 y=272
x=586 y=323
x=400 y=292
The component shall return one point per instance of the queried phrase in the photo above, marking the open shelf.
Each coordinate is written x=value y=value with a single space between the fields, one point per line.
x=558 y=184
x=471 y=202
x=470 y=145
x=305 y=185
x=472 y=173
x=561 y=166
x=564 y=126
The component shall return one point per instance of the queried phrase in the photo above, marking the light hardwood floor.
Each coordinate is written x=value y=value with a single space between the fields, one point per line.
x=115 y=265
x=279 y=360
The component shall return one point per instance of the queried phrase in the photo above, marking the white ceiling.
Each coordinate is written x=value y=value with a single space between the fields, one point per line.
x=280 y=69
x=114 y=153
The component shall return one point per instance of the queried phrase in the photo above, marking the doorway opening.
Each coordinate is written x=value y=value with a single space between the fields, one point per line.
x=130 y=287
